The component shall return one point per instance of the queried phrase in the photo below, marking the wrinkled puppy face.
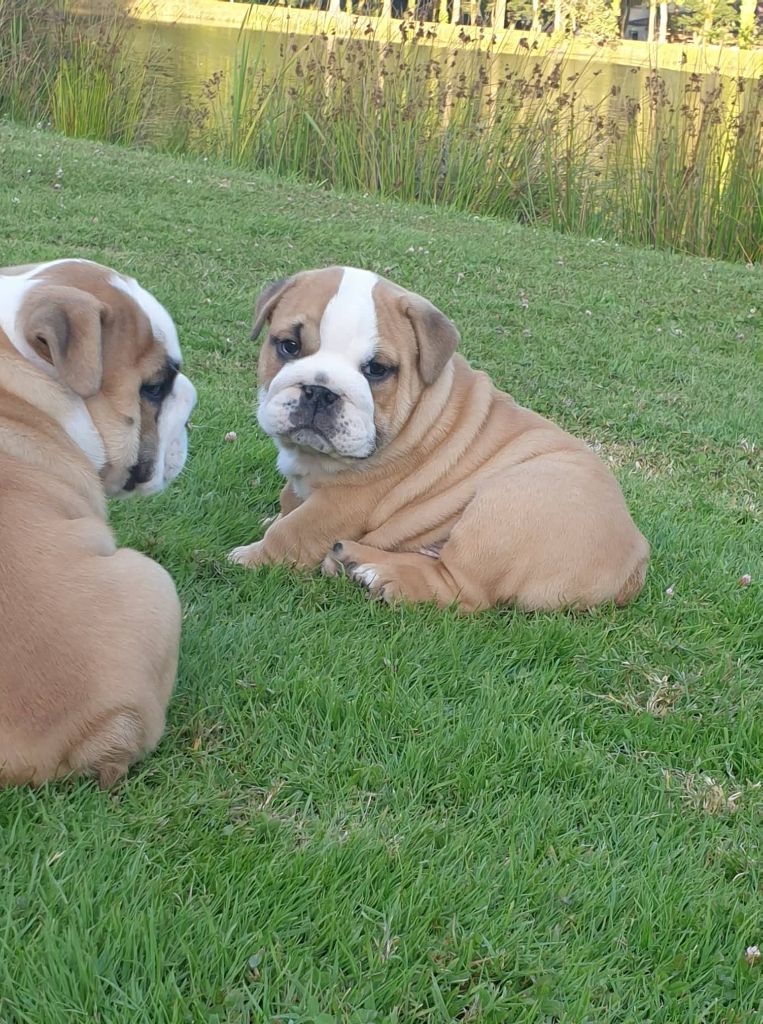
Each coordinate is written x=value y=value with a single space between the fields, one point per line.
x=115 y=349
x=347 y=356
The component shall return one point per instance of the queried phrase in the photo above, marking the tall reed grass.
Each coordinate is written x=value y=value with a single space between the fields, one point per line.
x=672 y=162
x=675 y=165
x=75 y=73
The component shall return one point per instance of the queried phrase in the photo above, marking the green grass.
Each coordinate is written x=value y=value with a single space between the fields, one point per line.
x=366 y=814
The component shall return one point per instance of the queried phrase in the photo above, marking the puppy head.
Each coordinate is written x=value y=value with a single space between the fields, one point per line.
x=347 y=357
x=115 y=350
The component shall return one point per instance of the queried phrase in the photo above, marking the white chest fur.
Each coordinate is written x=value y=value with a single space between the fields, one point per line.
x=304 y=469
x=295 y=467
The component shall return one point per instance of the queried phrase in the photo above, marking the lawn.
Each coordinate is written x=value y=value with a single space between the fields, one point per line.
x=372 y=814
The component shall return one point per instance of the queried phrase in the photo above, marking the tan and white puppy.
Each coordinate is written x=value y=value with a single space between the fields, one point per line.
x=414 y=472
x=92 y=404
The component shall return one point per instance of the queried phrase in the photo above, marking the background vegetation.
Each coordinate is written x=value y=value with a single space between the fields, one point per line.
x=675 y=165
x=701 y=21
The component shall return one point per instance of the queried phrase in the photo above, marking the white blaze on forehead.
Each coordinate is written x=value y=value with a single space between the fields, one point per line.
x=349 y=326
x=14 y=287
x=161 y=322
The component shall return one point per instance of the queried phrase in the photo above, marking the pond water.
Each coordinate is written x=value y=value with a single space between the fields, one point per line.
x=188 y=56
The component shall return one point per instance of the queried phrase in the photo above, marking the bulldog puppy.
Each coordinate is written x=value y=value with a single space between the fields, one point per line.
x=92 y=404
x=415 y=474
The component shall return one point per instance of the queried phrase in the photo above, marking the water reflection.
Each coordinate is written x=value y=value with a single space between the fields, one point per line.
x=188 y=56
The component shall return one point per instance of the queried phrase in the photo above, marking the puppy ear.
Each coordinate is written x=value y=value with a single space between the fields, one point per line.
x=436 y=335
x=64 y=327
x=267 y=301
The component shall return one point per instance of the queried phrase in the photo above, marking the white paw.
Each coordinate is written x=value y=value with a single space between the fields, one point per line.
x=248 y=555
x=365 y=574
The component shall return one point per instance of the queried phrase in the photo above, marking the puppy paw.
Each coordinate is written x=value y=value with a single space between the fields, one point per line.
x=330 y=566
x=366 y=573
x=249 y=555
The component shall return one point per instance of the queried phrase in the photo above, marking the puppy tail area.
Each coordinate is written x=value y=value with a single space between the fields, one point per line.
x=113 y=742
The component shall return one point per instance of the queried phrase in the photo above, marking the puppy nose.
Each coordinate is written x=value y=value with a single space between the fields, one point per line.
x=319 y=396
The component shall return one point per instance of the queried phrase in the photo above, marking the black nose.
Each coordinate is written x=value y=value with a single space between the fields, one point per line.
x=139 y=474
x=318 y=396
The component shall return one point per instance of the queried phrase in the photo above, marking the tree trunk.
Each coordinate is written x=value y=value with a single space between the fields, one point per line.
x=386 y=11
x=499 y=14
x=625 y=13
x=652 y=19
x=442 y=14
x=474 y=12
x=663 y=37
x=334 y=6
x=707 y=25
x=747 y=22
x=455 y=15
x=535 y=27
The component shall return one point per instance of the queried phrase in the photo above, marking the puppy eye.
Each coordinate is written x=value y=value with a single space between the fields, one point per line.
x=152 y=392
x=288 y=348
x=376 y=371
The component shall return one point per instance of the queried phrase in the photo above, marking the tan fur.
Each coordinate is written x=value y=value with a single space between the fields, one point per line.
x=89 y=634
x=471 y=499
